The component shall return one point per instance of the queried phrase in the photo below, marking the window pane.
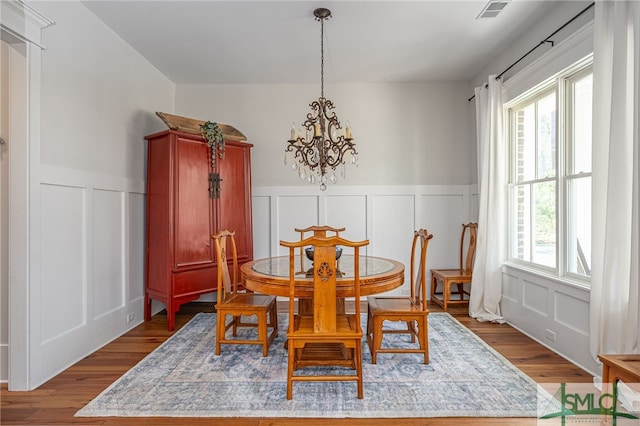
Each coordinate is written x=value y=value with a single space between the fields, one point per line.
x=547 y=136
x=550 y=143
x=579 y=226
x=525 y=149
x=544 y=226
x=582 y=117
x=521 y=220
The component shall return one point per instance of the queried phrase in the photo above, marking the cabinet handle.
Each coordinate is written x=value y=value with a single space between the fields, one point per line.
x=214 y=185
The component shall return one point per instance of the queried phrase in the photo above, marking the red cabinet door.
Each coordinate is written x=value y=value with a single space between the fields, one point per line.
x=193 y=209
x=234 y=205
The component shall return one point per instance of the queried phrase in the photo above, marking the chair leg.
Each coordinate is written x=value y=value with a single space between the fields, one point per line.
x=262 y=332
x=359 y=369
x=290 y=362
x=423 y=337
x=220 y=330
x=274 y=317
x=411 y=330
x=446 y=294
x=377 y=337
x=460 y=292
x=236 y=320
x=369 y=332
x=434 y=286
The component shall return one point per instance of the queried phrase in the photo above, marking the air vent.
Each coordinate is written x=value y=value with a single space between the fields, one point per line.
x=492 y=9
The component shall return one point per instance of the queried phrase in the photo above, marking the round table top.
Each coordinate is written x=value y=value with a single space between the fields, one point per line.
x=271 y=275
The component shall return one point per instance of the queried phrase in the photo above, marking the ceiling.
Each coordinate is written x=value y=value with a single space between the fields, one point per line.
x=262 y=42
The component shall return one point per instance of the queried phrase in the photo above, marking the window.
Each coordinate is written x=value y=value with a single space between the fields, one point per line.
x=550 y=175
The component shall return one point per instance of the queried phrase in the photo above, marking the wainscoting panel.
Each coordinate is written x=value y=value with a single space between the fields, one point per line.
x=386 y=215
x=91 y=263
x=392 y=225
x=443 y=216
x=63 y=271
x=570 y=310
x=108 y=252
x=347 y=211
x=262 y=226
x=511 y=289
x=293 y=212
x=135 y=260
x=551 y=311
x=535 y=297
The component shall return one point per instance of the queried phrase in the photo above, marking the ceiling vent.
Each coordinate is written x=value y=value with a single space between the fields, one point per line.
x=492 y=9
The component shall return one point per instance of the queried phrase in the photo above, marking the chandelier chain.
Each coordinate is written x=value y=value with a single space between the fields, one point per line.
x=322 y=57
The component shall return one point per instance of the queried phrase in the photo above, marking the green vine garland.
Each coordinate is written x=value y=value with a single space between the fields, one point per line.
x=215 y=140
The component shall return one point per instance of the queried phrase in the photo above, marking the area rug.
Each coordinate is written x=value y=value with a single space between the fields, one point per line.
x=184 y=378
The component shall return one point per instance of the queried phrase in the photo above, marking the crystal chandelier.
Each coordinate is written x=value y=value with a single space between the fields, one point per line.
x=319 y=146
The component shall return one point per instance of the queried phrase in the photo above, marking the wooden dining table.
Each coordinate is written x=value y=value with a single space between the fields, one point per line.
x=271 y=276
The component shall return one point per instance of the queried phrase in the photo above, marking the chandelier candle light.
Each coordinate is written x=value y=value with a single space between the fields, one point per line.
x=319 y=147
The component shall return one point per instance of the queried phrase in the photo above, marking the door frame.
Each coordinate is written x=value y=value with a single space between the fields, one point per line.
x=21 y=28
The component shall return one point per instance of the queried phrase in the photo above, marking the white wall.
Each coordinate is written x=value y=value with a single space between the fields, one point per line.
x=4 y=211
x=98 y=101
x=537 y=304
x=406 y=134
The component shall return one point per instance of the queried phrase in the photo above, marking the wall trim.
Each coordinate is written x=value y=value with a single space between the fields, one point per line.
x=23 y=22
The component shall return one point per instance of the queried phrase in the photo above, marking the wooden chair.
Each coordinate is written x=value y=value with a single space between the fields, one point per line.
x=234 y=303
x=326 y=338
x=413 y=310
x=460 y=276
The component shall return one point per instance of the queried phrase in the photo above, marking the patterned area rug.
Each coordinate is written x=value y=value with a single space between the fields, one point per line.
x=184 y=378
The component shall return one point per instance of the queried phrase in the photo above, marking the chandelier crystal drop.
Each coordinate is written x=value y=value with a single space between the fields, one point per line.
x=320 y=145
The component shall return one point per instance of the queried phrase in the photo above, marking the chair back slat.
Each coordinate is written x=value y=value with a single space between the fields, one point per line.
x=419 y=248
x=324 y=292
x=227 y=280
x=466 y=262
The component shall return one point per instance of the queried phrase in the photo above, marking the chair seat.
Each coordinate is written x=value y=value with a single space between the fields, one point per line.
x=252 y=300
x=303 y=328
x=399 y=305
x=451 y=274
x=450 y=277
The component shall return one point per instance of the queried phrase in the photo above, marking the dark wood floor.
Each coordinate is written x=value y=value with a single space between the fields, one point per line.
x=56 y=401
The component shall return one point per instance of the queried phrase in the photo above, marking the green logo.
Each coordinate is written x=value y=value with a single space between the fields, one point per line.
x=580 y=399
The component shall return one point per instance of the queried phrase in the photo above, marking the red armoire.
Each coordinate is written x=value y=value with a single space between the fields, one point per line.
x=188 y=200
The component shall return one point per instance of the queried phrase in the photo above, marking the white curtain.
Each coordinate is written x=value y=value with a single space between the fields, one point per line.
x=614 y=320
x=486 y=286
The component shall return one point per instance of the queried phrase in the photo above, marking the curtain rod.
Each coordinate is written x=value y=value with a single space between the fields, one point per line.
x=546 y=40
